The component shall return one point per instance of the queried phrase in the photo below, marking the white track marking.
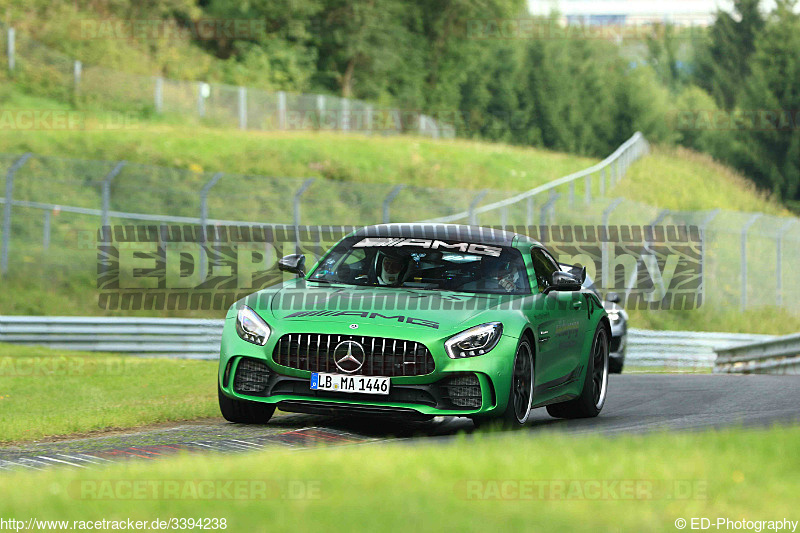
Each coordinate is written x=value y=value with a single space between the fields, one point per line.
x=59 y=461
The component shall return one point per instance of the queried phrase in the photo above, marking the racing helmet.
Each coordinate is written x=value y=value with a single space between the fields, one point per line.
x=390 y=269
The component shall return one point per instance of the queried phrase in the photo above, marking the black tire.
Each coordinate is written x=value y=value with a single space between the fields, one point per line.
x=595 y=385
x=520 y=396
x=615 y=366
x=243 y=412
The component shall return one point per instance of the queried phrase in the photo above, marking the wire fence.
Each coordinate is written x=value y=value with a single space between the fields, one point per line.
x=53 y=206
x=38 y=67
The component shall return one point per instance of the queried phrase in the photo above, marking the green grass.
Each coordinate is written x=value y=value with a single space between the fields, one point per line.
x=683 y=180
x=46 y=392
x=629 y=483
x=365 y=159
x=766 y=320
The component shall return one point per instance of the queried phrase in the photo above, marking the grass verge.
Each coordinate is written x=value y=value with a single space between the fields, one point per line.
x=730 y=319
x=46 y=392
x=680 y=179
x=551 y=483
x=178 y=142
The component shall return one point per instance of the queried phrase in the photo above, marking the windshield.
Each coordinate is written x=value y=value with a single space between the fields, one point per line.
x=424 y=264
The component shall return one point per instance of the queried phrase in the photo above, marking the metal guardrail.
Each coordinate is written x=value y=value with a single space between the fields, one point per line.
x=648 y=348
x=200 y=339
x=150 y=337
x=779 y=355
x=615 y=165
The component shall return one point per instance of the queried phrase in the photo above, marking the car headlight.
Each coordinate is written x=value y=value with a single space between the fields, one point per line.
x=252 y=327
x=613 y=315
x=474 y=341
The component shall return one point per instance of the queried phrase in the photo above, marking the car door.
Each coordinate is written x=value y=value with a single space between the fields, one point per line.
x=561 y=319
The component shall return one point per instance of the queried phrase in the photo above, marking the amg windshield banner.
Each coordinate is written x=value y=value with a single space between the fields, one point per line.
x=185 y=267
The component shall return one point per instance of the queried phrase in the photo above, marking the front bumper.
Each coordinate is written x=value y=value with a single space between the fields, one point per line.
x=428 y=395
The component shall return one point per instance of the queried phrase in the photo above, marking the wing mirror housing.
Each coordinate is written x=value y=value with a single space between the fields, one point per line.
x=294 y=263
x=567 y=281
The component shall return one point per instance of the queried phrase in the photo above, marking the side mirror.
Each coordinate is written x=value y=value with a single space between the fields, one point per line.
x=294 y=263
x=613 y=297
x=579 y=273
x=565 y=281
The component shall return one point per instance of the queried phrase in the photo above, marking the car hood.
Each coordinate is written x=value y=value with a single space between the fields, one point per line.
x=386 y=307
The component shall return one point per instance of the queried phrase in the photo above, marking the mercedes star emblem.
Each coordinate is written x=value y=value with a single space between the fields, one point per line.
x=349 y=356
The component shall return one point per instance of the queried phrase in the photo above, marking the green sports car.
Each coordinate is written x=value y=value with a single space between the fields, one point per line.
x=419 y=320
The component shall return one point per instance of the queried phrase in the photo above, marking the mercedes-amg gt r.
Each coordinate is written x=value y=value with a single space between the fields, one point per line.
x=419 y=320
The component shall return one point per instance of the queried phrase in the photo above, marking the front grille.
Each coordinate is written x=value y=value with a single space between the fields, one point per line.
x=382 y=357
x=251 y=376
x=463 y=390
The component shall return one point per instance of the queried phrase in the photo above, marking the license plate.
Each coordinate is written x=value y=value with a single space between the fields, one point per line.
x=342 y=383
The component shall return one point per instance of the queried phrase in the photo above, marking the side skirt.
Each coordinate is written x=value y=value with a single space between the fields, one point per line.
x=558 y=399
x=559 y=382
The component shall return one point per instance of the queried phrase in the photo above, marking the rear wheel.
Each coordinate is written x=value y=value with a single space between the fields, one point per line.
x=520 y=397
x=244 y=412
x=595 y=385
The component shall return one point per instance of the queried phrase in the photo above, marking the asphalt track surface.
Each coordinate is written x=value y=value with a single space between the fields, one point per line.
x=636 y=403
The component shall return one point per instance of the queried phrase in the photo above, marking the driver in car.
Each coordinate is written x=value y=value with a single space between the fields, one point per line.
x=497 y=275
x=500 y=274
x=391 y=270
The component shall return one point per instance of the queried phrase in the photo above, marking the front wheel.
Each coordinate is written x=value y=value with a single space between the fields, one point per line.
x=520 y=397
x=244 y=412
x=595 y=385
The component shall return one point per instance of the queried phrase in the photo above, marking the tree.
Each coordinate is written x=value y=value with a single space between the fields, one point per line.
x=277 y=41
x=662 y=55
x=362 y=43
x=768 y=149
x=724 y=62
